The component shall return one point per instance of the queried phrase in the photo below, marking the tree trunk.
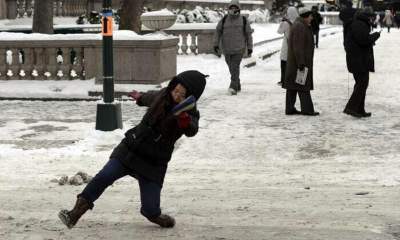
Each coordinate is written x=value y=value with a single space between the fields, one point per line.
x=43 y=17
x=130 y=15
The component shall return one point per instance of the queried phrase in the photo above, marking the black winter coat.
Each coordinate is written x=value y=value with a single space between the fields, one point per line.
x=148 y=155
x=359 y=45
x=317 y=20
x=300 y=52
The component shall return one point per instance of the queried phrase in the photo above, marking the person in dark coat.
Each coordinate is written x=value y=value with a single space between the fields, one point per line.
x=360 y=59
x=145 y=151
x=346 y=16
x=300 y=56
x=316 y=21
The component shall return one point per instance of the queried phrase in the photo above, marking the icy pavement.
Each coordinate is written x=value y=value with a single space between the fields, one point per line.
x=250 y=173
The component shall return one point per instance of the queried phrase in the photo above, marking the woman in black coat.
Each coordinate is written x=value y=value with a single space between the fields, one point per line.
x=360 y=60
x=145 y=151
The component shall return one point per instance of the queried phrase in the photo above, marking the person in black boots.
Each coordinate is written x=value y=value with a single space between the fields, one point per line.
x=316 y=21
x=359 y=44
x=300 y=57
x=145 y=151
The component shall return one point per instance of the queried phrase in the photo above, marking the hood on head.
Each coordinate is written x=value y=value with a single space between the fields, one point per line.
x=234 y=3
x=194 y=82
x=365 y=14
x=292 y=14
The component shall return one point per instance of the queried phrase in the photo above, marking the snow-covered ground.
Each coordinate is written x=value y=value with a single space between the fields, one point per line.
x=250 y=173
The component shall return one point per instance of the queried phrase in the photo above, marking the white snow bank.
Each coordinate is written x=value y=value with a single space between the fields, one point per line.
x=163 y=12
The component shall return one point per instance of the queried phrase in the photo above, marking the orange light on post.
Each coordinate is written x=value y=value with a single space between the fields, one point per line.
x=107 y=26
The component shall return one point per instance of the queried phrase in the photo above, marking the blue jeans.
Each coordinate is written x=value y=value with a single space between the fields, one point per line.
x=149 y=191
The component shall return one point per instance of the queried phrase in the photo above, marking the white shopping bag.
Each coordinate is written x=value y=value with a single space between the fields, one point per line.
x=301 y=76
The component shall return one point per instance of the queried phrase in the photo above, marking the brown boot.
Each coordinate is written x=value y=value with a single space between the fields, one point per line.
x=70 y=218
x=164 y=221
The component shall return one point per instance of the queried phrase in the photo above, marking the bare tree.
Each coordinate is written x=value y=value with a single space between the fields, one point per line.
x=130 y=15
x=43 y=17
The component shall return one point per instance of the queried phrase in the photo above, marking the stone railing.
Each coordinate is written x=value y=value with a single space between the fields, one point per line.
x=193 y=38
x=331 y=18
x=135 y=61
x=194 y=41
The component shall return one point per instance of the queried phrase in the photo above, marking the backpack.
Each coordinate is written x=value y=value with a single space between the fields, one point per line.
x=244 y=23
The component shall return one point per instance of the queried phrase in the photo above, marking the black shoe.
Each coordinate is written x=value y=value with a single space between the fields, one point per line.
x=279 y=83
x=352 y=113
x=163 y=221
x=293 y=112
x=366 y=114
x=310 y=113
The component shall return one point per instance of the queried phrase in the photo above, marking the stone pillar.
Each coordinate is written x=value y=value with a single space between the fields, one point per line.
x=11 y=9
x=3 y=9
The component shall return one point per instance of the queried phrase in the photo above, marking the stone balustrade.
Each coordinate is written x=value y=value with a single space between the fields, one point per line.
x=135 y=61
x=331 y=18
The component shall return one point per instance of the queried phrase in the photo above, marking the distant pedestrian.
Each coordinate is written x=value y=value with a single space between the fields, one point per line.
x=346 y=16
x=360 y=60
x=388 y=20
x=316 y=21
x=300 y=58
x=284 y=28
x=146 y=149
x=234 y=34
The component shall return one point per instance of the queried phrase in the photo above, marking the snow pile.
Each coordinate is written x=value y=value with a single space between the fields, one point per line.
x=205 y=15
x=78 y=179
x=163 y=12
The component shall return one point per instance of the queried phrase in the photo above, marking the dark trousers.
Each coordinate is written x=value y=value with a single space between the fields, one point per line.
x=316 y=38
x=149 y=191
x=283 y=70
x=233 y=61
x=306 y=103
x=357 y=100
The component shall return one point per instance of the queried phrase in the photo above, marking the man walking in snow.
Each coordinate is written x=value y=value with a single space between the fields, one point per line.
x=234 y=34
x=300 y=58
x=317 y=20
x=359 y=44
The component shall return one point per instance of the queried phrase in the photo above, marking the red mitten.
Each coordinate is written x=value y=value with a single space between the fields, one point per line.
x=135 y=95
x=184 y=120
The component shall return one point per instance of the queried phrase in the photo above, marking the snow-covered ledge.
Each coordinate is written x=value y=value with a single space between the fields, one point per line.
x=149 y=58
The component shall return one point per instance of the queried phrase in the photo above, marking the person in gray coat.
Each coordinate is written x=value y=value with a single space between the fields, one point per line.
x=300 y=57
x=284 y=28
x=234 y=34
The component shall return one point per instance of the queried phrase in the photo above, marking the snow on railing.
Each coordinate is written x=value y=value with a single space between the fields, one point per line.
x=22 y=60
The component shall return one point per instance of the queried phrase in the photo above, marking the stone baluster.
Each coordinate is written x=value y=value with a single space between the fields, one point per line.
x=78 y=64
x=21 y=8
x=184 y=45
x=50 y=71
x=27 y=64
x=13 y=65
x=39 y=63
x=65 y=66
x=58 y=10
x=3 y=66
x=66 y=7
x=29 y=8
x=74 y=7
x=193 y=43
